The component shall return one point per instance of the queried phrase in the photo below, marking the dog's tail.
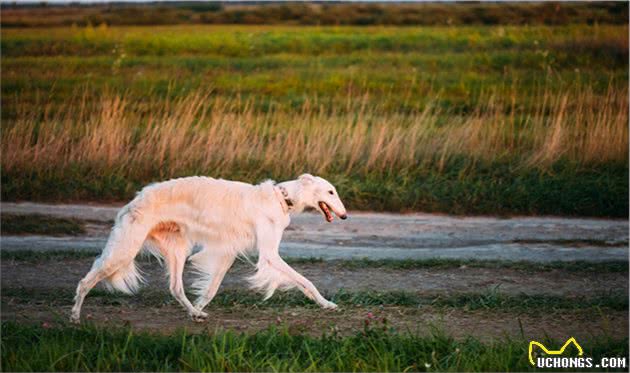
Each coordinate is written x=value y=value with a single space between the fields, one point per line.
x=124 y=243
x=127 y=279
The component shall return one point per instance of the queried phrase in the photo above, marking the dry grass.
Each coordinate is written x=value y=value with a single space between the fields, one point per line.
x=199 y=133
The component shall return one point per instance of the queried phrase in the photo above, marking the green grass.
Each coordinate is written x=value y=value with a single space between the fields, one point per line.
x=40 y=224
x=489 y=299
x=88 y=348
x=570 y=266
x=33 y=256
x=490 y=188
x=403 y=68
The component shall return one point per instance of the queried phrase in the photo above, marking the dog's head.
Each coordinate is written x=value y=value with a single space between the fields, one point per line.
x=319 y=194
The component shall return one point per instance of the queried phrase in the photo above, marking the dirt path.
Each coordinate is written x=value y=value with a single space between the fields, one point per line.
x=54 y=282
x=397 y=236
x=41 y=292
x=332 y=277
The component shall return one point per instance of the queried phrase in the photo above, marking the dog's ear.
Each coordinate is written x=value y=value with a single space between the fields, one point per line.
x=306 y=178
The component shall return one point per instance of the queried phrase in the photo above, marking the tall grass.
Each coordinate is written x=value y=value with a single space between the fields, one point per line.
x=200 y=133
x=112 y=137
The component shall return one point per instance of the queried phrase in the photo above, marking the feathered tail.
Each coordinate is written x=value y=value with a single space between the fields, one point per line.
x=124 y=243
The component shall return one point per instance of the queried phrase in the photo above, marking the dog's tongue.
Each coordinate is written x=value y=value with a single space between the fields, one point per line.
x=324 y=207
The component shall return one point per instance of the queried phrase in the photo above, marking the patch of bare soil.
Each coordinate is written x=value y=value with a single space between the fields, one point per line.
x=331 y=277
x=482 y=324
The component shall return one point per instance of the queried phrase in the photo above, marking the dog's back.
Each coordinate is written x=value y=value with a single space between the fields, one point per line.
x=206 y=201
x=196 y=192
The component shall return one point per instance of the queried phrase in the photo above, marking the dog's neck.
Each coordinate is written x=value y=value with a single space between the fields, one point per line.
x=289 y=192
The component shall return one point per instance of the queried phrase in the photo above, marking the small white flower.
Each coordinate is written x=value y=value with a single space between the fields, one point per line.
x=427 y=365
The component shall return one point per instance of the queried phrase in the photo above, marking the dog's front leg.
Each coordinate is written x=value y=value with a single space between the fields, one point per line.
x=268 y=242
x=300 y=282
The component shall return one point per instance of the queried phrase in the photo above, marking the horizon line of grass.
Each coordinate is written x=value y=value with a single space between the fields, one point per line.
x=612 y=266
x=359 y=15
x=489 y=299
x=376 y=348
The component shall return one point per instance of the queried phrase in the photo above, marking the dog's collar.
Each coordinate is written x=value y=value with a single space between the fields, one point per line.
x=285 y=201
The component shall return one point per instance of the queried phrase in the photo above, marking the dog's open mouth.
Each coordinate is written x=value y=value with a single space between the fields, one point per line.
x=326 y=210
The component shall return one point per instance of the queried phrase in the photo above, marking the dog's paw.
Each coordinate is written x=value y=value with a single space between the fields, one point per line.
x=75 y=319
x=329 y=305
x=199 y=317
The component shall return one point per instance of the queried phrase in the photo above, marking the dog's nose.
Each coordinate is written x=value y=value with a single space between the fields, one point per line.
x=344 y=217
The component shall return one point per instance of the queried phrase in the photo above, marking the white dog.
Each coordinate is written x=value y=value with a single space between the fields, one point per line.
x=225 y=218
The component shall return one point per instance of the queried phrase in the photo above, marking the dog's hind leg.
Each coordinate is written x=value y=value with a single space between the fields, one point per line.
x=121 y=269
x=115 y=265
x=96 y=274
x=212 y=267
x=174 y=249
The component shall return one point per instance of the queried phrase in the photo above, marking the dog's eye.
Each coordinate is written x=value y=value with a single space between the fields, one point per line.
x=331 y=192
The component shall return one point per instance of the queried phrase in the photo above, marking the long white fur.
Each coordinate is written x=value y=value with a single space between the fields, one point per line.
x=225 y=218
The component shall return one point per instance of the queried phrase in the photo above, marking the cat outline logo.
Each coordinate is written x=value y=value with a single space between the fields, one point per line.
x=553 y=352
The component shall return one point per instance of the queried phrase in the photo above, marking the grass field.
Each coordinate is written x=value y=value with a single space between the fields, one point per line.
x=468 y=119
x=376 y=348
x=459 y=108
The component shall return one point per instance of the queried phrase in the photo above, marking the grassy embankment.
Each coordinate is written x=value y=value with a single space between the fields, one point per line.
x=505 y=119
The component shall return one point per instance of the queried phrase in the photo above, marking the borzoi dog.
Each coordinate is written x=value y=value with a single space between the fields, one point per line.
x=225 y=218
